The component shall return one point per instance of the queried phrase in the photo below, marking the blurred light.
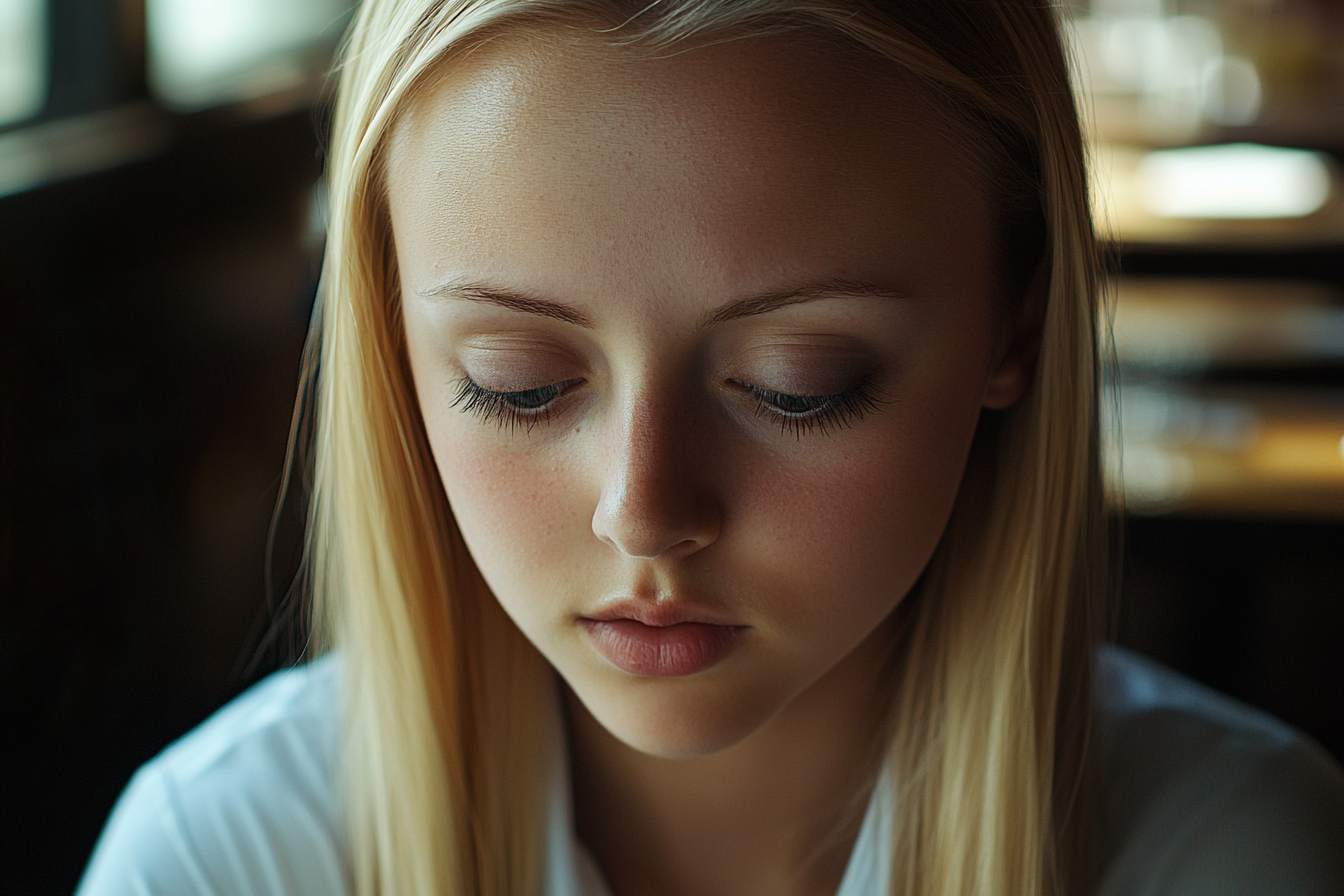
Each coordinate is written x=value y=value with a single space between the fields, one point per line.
x=1152 y=478
x=1239 y=180
x=1231 y=91
x=207 y=52
x=1306 y=453
x=1159 y=414
x=1175 y=326
x=1168 y=447
x=23 y=59
x=74 y=145
x=1172 y=68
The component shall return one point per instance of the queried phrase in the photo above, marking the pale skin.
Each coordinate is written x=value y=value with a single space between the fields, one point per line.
x=730 y=320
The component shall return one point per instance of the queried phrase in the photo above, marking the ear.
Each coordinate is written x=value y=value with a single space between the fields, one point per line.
x=1021 y=346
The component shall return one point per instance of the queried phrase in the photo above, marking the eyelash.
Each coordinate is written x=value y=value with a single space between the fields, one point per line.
x=801 y=413
x=823 y=413
x=526 y=407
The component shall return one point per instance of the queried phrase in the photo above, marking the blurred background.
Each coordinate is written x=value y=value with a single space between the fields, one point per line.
x=161 y=220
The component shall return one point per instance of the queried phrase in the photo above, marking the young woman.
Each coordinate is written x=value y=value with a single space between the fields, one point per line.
x=705 y=493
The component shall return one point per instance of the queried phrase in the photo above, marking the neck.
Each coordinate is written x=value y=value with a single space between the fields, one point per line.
x=776 y=813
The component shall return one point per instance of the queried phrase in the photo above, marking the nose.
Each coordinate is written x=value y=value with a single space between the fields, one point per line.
x=656 y=501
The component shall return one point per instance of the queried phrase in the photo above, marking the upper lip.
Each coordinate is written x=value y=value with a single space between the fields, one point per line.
x=660 y=614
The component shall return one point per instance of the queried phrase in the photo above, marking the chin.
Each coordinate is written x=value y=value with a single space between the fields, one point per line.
x=676 y=719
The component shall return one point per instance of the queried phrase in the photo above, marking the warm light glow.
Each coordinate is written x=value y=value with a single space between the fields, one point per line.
x=1239 y=180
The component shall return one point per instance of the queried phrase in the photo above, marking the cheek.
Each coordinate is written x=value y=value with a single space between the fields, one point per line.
x=847 y=537
x=513 y=504
x=522 y=512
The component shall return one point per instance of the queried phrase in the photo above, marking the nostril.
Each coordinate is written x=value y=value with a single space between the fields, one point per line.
x=649 y=517
x=656 y=496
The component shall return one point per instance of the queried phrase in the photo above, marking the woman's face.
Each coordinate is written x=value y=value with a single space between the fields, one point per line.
x=700 y=344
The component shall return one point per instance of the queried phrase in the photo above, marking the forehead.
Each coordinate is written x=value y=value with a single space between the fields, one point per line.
x=756 y=152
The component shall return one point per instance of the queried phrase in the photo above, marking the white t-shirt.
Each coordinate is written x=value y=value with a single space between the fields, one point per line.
x=1203 y=795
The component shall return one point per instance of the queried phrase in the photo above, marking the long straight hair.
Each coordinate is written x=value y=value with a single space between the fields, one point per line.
x=447 y=706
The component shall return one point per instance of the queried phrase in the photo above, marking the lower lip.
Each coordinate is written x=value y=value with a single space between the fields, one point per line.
x=662 y=651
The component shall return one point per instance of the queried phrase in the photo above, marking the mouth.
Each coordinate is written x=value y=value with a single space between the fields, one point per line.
x=661 y=641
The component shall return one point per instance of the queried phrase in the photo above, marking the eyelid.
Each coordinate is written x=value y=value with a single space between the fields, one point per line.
x=516 y=365
x=827 y=413
x=507 y=406
x=511 y=340
x=791 y=375
x=794 y=344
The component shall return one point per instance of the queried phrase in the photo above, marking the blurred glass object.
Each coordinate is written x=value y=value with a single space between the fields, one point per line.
x=210 y=52
x=1232 y=92
x=1172 y=70
x=23 y=59
x=1239 y=180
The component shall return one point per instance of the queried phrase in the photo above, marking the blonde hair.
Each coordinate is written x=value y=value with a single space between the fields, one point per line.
x=446 y=703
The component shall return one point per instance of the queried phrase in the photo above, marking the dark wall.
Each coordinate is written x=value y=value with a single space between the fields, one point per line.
x=1254 y=608
x=151 y=322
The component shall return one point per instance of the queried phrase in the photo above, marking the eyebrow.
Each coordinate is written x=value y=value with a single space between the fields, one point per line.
x=812 y=292
x=510 y=299
x=735 y=310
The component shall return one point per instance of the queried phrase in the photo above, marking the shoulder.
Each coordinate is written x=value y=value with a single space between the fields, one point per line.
x=245 y=803
x=1207 y=795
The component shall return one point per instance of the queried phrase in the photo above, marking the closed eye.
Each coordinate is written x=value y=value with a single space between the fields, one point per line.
x=526 y=407
x=823 y=413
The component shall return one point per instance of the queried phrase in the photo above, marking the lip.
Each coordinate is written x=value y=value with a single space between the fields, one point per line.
x=661 y=640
